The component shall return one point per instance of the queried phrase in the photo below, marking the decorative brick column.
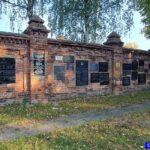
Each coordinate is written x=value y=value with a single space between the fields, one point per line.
x=38 y=52
x=117 y=61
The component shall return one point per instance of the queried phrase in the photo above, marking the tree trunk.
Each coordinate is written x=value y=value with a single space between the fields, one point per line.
x=86 y=21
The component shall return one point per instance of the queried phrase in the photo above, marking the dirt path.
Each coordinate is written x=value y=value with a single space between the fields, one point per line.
x=12 y=132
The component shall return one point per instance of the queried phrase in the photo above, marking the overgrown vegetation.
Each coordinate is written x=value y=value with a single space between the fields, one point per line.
x=125 y=133
x=24 y=114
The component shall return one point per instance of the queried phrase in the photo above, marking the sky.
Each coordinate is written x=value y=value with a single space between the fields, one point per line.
x=134 y=35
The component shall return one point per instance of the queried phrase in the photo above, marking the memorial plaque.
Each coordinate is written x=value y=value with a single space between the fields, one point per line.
x=148 y=76
x=95 y=77
x=81 y=72
x=126 y=81
x=59 y=58
x=7 y=70
x=104 y=78
x=127 y=69
x=146 y=70
x=141 y=79
x=70 y=66
x=118 y=64
x=117 y=74
x=94 y=67
x=103 y=66
x=68 y=59
x=141 y=69
x=141 y=62
x=39 y=64
x=134 y=75
x=134 y=65
x=59 y=72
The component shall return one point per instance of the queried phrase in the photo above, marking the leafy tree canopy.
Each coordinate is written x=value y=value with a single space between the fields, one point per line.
x=79 y=20
x=144 y=9
x=90 y=20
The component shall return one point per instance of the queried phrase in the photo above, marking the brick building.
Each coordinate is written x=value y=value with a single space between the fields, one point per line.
x=42 y=69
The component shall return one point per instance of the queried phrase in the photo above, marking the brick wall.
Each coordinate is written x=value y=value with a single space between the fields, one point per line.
x=48 y=69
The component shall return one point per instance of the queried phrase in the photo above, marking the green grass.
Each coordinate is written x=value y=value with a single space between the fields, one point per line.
x=24 y=114
x=124 y=133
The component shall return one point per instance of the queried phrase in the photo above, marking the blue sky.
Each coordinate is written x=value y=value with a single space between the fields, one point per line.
x=133 y=36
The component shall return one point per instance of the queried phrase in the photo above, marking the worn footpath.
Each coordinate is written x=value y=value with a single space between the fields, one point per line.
x=11 y=132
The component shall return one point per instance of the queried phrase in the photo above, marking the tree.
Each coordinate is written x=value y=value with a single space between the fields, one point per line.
x=90 y=20
x=132 y=45
x=79 y=20
x=144 y=8
x=19 y=10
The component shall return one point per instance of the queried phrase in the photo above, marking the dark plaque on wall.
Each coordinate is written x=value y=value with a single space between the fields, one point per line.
x=7 y=70
x=81 y=72
x=149 y=66
x=126 y=81
x=103 y=66
x=39 y=64
x=141 y=79
x=59 y=72
x=68 y=59
x=70 y=66
x=146 y=70
x=141 y=62
x=127 y=69
x=104 y=78
x=134 y=65
x=134 y=75
x=94 y=67
x=95 y=78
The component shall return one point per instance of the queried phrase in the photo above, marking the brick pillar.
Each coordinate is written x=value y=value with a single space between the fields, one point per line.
x=38 y=52
x=117 y=61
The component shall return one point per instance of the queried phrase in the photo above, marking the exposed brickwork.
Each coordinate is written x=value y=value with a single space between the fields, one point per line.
x=41 y=85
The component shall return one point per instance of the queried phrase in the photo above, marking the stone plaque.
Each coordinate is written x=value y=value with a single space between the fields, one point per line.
x=70 y=66
x=148 y=76
x=134 y=65
x=134 y=75
x=141 y=79
x=81 y=72
x=103 y=66
x=68 y=59
x=126 y=81
x=7 y=70
x=104 y=78
x=117 y=74
x=141 y=62
x=118 y=65
x=59 y=58
x=59 y=72
x=94 y=67
x=39 y=64
x=127 y=69
x=95 y=78
x=146 y=70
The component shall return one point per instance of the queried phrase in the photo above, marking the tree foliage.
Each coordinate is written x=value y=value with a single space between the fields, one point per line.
x=144 y=9
x=90 y=20
x=79 y=20
x=19 y=10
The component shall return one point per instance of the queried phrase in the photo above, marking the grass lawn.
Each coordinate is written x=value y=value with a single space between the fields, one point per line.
x=124 y=133
x=24 y=114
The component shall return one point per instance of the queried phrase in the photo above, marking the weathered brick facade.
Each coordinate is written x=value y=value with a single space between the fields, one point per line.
x=41 y=69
